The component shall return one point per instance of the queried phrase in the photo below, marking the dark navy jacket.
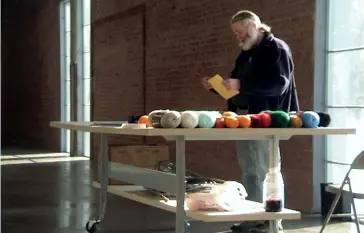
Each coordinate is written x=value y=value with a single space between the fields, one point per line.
x=266 y=74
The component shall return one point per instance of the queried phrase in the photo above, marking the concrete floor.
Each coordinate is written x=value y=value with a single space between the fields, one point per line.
x=41 y=195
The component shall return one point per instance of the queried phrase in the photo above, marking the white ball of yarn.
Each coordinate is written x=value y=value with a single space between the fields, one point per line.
x=189 y=119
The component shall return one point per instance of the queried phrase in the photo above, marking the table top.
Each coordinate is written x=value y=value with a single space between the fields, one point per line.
x=196 y=132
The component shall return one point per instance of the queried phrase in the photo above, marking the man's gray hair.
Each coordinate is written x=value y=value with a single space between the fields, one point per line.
x=245 y=14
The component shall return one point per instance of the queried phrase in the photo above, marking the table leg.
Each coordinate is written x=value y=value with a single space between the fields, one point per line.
x=274 y=162
x=274 y=154
x=104 y=174
x=181 y=185
x=92 y=226
x=274 y=228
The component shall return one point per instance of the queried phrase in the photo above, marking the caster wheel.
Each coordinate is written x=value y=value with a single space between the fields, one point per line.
x=92 y=226
x=187 y=224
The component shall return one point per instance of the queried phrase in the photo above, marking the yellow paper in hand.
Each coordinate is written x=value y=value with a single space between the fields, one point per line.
x=217 y=83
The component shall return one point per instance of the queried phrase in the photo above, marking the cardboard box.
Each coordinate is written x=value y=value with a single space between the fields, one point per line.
x=145 y=156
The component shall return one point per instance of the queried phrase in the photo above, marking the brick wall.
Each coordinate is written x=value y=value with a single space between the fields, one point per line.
x=183 y=41
x=141 y=66
x=30 y=74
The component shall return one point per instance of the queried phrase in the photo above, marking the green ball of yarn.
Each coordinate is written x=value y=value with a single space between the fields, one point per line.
x=280 y=119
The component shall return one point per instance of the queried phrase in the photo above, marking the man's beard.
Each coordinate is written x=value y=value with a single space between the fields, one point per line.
x=250 y=41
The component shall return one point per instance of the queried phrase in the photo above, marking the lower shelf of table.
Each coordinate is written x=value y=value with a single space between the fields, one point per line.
x=250 y=210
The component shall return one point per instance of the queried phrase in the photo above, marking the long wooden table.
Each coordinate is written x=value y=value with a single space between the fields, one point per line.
x=175 y=184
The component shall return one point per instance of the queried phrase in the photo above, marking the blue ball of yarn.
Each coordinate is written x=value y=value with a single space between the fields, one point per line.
x=310 y=119
x=206 y=120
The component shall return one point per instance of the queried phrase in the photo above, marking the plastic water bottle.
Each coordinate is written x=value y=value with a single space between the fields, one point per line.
x=273 y=191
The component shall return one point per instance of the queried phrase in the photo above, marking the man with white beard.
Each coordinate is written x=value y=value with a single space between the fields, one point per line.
x=264 y=76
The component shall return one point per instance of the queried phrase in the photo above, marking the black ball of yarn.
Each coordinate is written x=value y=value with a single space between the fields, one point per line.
x=325 y=119
x=133 y=118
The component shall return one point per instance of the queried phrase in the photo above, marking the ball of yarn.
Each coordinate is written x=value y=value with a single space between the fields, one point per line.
x=325 y=119
x=255 y=121
x=265 y=120
x=280 y=119
x=297 y=113
x=155 y=117
x=229 y=113
x=220 y=122
x=245 y=121
x=310 y=119
x=206 y=120
x=231 y=122
x=152 y=113
x=133 y=118
x=189 y=119
x=171 y=119
x=295 y=121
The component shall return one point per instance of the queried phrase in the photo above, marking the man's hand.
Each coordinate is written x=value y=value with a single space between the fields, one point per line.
x=205 y=83
x=232 y=84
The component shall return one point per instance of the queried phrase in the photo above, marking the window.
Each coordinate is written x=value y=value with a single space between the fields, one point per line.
x=65 y=52
x=86 y=72
x=83 y=59
x=344 y=85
